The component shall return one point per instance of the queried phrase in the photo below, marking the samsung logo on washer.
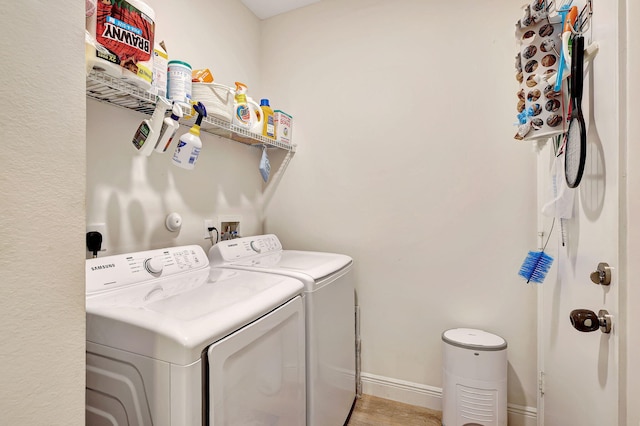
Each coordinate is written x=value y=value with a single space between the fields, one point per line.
x=105 y=266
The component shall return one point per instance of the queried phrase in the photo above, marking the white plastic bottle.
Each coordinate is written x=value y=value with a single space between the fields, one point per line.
x=145 y=138
x=169 y=127
x=241 y=111
x=189 y=145
x=160 y=65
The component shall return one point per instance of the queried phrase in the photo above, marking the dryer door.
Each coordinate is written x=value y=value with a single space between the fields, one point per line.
x=257 y=374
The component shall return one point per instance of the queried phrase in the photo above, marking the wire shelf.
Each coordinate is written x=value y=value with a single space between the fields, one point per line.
x=107 y=89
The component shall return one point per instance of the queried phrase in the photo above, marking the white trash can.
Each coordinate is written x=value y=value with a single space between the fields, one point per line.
x=474 y=367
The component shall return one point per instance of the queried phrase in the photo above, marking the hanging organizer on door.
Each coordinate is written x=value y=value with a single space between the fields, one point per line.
x=543 y=36
x=541 y=109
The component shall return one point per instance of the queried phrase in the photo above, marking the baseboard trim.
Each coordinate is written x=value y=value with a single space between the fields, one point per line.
x=402 y=391
x=523 y=411
x=431 y=397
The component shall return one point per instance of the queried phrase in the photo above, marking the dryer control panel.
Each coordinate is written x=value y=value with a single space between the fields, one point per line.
x=109 y=272
x=244 y=248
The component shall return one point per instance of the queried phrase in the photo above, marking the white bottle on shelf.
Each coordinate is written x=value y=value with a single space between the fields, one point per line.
x=189 y=145
x=169 y=128
x=146 y=136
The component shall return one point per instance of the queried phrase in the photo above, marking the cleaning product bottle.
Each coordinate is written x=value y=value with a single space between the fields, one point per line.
x=169 y=127
x=268 y=125
x=190 y=144
x=256 y=116
x=242 y=113
x=160 y=65
x=145 y=138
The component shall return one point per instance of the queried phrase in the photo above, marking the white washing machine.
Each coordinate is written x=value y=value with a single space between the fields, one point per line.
x=329 y=311
x=174 y=342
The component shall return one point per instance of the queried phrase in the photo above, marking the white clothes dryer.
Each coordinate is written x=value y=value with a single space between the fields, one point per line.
x=329 y=311
x=174 y=342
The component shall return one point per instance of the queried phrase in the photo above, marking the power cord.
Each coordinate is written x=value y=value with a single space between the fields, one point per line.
x=94 y=242
x=211 y=237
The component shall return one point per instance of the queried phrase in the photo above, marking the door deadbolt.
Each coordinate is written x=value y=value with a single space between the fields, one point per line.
x=602 y=275
x=585 y=320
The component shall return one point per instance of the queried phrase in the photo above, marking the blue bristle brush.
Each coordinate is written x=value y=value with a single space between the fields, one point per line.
x=536 y=266
x=537 y=263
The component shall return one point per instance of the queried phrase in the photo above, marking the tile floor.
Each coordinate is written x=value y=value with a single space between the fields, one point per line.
x=373 y=411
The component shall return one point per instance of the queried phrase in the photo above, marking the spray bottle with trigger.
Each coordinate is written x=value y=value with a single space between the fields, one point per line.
x=169 y=127
x=242 y=113
x=189 y=145
x=145 y=138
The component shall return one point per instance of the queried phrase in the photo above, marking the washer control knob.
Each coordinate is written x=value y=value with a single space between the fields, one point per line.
x=255 y=247
x=153 y=265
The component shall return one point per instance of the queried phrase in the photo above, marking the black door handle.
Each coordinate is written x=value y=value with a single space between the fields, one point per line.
x=585 y=320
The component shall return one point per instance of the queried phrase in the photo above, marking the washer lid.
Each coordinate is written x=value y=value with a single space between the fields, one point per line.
x=175 y=319
x=265 y=253
x=316 y=265
x=474 y=339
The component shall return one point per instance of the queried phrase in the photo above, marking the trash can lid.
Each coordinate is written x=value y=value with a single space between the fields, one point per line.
x=474 y=339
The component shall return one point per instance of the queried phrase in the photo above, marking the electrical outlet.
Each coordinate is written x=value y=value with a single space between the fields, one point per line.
x=229 y=227
x=210 y=223
x=102 y=229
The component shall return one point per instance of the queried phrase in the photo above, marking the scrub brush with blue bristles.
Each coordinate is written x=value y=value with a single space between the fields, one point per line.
x=537 y=263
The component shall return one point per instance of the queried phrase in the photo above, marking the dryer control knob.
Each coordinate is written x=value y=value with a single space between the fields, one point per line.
x=153 y=265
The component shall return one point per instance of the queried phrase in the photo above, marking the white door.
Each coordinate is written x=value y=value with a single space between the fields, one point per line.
x=579 y=370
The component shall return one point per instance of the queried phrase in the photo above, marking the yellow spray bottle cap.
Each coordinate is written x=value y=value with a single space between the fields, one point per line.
x=241 y=90
x=202 y=112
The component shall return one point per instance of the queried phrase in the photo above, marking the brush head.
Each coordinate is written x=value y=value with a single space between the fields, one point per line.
x=535 y=266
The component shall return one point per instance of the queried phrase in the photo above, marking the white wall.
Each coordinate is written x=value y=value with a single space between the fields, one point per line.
x=42 y=175
x=133 y=194
x=404 y=112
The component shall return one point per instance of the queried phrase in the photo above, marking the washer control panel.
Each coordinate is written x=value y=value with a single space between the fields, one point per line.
x=110 y=272
x=244 y=248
